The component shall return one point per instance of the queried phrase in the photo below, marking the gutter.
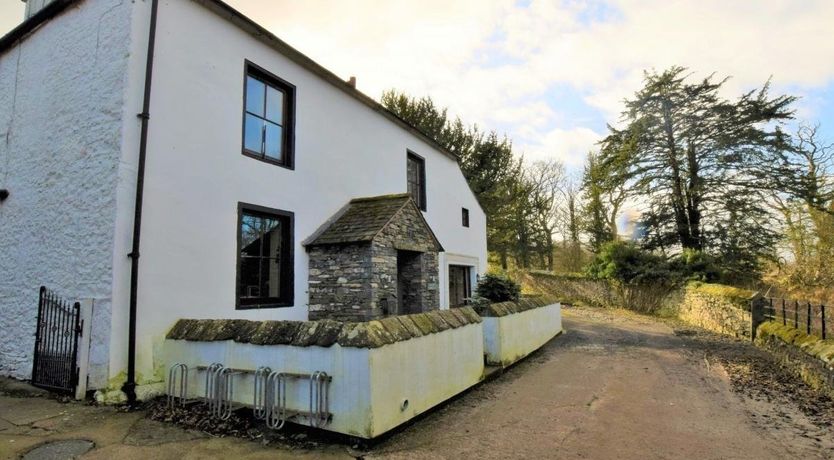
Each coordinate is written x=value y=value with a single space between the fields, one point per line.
x=129 y=387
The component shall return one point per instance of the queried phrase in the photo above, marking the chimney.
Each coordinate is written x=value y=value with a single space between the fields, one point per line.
x=33 y=6
x=352 y=82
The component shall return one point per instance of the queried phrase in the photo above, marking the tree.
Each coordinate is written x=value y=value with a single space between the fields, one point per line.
x=546 y=184
x=486 y=159
x=803 y=195
x=605 y=195
x=694 y=157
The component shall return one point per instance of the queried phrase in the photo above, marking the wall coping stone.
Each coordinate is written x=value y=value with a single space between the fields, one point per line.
x=325 y=332
x=510 y=308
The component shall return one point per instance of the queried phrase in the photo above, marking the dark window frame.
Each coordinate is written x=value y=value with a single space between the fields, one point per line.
x=464 y=217
x=288 y=129
x=422 y=162
x=287 y=298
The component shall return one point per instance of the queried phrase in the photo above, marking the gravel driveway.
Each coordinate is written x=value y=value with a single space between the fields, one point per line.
x=618 y=385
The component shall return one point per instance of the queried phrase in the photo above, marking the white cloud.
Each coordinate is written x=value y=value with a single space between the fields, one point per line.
x=571 y=146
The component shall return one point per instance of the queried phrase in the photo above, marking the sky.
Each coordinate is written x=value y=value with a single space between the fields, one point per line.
x=552 y=74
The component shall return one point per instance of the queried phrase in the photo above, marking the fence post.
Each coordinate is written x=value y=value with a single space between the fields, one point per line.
x=808 y=320
x=784 y=315
x=757 y=304
x=822 y=319
x=83 y=361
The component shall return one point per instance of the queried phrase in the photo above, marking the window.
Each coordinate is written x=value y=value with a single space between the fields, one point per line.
x=268 y=117
x=464 y=216
x=265 y=257
x=416 y=174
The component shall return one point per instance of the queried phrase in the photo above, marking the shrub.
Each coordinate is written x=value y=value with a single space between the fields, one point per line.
x=641 y=281
x=497 y=288
x=697 y=266
x=627 y=263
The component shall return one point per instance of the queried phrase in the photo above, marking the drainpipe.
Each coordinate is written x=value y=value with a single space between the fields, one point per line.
x=129 y=387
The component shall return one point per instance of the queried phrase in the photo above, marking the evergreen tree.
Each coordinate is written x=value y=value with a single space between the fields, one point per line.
x=695 y=159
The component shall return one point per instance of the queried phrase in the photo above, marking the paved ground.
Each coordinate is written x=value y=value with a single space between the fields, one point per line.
x=615 y=385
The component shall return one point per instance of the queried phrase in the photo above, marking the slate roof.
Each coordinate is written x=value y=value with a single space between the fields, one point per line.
x=362 y=220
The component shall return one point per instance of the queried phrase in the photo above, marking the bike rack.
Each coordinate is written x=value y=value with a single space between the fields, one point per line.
x=259 y=399
x=269 y=402
x=178 y=373
x=319 y=399
x=276 y=399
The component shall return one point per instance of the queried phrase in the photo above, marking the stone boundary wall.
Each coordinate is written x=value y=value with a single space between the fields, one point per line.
x=500 y=309
x=572 y=289
x=807 y=356
x=324 y=333
x=717 y=308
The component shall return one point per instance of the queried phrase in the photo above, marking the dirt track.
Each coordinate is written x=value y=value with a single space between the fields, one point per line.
x=617 y=385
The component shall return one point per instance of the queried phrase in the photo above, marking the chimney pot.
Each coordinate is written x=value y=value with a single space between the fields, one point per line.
x=352 y=82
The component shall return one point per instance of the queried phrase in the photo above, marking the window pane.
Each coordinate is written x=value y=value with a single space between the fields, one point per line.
x=274 y=105
x=255 y=96
x=270 y=278
x=252 y=134
x=271 y=238
x=249 y=280
x=250 y=234
x=273 y=142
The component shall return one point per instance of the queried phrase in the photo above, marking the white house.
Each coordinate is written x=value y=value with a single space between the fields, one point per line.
x=244 y=154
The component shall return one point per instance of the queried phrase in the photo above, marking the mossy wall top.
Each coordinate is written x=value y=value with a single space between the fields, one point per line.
x=324 y=333
x=737 y=296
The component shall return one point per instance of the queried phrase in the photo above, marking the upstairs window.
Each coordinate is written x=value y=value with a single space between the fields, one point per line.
x=265 y=257
x=416 y=174
x=268 y=117
x=464 y=217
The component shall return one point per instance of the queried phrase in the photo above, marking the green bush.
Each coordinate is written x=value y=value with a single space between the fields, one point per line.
x=497 y=288
x=697 y=266
x=627 y=263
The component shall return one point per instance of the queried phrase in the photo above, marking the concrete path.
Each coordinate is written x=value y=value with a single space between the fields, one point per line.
x=615 y=385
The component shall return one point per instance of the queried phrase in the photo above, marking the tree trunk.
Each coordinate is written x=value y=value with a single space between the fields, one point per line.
x=694 y=200
x=678 y=200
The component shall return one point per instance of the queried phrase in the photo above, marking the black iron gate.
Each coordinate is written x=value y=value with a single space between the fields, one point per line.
x=56 y=343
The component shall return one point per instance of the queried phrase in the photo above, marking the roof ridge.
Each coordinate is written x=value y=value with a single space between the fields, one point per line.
x=391 y=196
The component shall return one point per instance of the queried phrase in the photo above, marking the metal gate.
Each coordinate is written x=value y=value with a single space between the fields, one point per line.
x=56 y=343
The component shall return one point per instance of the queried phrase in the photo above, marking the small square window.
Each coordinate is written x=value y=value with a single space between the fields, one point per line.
x=464 y=215
x=268 y=117
x=265 y=257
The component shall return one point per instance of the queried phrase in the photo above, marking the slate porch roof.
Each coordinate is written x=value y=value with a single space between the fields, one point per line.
x=362 y=219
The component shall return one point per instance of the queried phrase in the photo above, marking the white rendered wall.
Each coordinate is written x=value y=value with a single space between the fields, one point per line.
x=509 y=338
x=369 y=385
x=62 y=92
x=196 y=174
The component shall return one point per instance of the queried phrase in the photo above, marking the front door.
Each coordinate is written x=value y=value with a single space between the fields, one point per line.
x=460 y=289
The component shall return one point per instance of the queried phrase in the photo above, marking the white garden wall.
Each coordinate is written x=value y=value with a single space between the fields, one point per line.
x=370 y=385
x=510 y=338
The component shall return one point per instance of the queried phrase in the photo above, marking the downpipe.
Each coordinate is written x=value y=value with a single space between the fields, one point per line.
x=129 y=387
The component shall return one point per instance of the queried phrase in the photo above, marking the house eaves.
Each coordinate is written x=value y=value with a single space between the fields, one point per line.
x=243 y=22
